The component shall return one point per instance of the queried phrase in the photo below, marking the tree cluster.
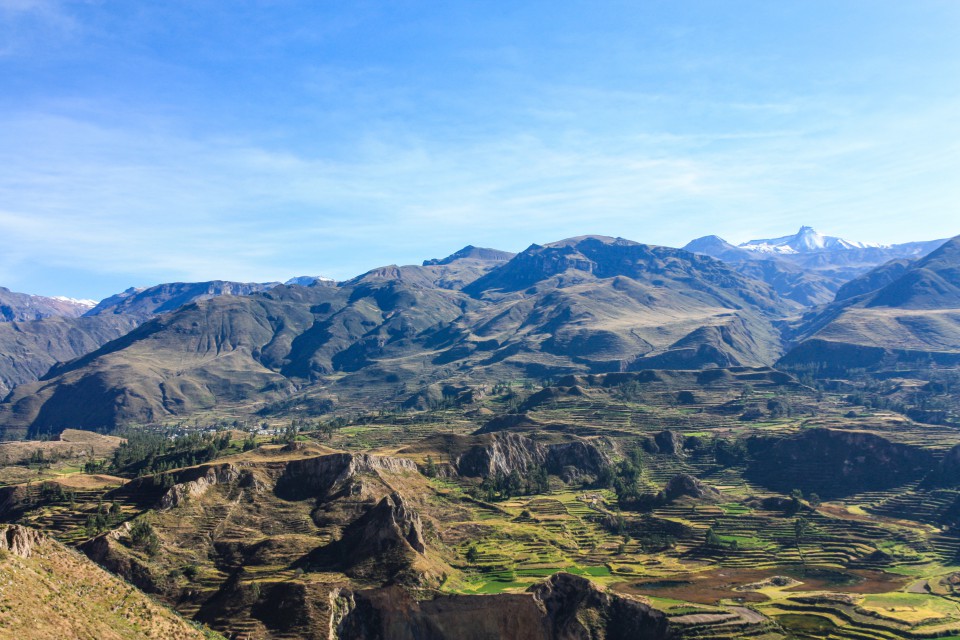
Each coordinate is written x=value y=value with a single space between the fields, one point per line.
x=502 y=486
x=146 y=453
x=104 y=518
x=625 y=476
x=143 y=536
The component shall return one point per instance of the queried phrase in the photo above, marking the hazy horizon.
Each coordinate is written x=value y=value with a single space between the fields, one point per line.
x=335 y=274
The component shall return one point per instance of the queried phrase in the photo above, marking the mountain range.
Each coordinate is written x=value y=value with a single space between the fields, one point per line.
x=583 y=305
x=37 y=333
x=900 y=314
x=807 y=267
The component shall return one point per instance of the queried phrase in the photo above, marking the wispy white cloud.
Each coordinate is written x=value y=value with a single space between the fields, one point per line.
x=163 y=206
x=27 y=27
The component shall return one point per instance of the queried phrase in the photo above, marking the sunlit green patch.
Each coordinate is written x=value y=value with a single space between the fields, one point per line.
x=734 y=508
x=593 y=572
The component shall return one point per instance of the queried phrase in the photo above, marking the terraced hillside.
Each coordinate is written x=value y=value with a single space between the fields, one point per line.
x=650 y=486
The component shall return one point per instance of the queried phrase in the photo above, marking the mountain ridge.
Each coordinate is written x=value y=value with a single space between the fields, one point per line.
x=586 y=304
x=899 y=312
x=22 y=307
x=807 y=267
x=592 y=305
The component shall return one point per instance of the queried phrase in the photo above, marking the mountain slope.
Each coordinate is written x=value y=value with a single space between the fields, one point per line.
x=611 y=304
x=227 y=349
x=582 y=305
x=805 y=287
x=29 y=349
x=874 y=279
x=913 y=317
x=50 y=591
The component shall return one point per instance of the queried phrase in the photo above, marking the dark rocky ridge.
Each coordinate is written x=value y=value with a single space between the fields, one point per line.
x=833 y=463
x=504 y=452
x=330 y=476
x=380 y=545
x=561 y=608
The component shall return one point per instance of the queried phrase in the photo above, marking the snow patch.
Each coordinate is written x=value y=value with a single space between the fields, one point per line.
x=306 y=281
x=80 y=302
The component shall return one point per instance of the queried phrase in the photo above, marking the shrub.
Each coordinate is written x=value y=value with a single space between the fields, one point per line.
x=144 y=537
x=473 y=554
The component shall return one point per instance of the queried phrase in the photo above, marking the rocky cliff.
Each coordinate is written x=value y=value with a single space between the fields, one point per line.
x=504 y=452
x=564 y=607
x=18 y=540
x=326 y=477
x=210 y=476
x=835 y=463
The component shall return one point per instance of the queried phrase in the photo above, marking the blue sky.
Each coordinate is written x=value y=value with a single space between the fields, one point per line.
x=144 y=142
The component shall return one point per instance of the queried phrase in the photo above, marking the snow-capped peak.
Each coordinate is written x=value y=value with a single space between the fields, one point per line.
x=806 y=240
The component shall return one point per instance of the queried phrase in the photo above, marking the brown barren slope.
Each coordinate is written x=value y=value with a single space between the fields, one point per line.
x=50 y=591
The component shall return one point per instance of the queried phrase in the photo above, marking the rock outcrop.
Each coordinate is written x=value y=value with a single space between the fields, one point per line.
x=947 y=471
x=385 y=544
x=679 y=486
x=211 y=475
x=435 y=395
x=683 y=485
x=572 y=460
x=391 y=522
x=326 y=477
x=665 y=442
x=551 y=394
x=19 y=540
x=504 y=452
